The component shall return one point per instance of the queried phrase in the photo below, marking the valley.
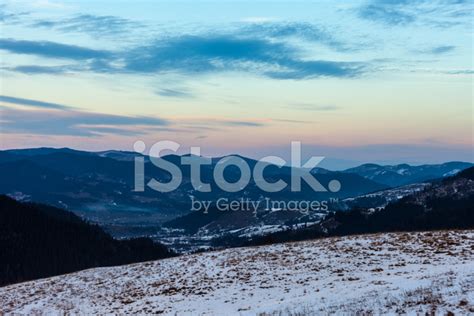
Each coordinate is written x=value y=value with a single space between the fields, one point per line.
x=99 y=187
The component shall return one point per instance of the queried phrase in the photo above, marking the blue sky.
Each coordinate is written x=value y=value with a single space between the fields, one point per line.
x=381 y=81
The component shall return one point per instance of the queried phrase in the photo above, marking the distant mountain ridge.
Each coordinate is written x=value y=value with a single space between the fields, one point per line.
x=404 y=174
x=368 y=170
x=99 y=185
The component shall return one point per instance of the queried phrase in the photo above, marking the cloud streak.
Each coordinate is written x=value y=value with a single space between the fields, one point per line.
x=10 y=17
x=52 y=50
x=45 y=118
x=94 y=25
x=34 y=69
x=216 y=124
x=33 y=103
x=314 y=107
x=174 y=93
x=442 y=49
x=389 y=12
x=301 y=30
x=206 y=54
x=187 y=55
x=446 y=13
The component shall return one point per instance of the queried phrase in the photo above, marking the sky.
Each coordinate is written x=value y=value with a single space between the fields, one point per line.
x=356 y=81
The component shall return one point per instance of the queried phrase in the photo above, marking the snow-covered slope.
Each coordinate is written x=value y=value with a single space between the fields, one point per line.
x=382 y=273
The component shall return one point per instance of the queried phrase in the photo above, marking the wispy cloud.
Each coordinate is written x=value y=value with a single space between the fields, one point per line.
x=210 y=53
x=174 y=93
x=50 y=70
x=93 y=130
x=213 y=124
x=442 y=49
x=94 y=25
x=435 y=50
x=7 y=16
x=301 y=30
x=441 y=13
x=32 y=103
x=45 y=118
x=389 y=12
x=292 y=121
x=241 y=123
x=460 y=72
x=51 y=49
x=188 y=55
x=313 y=107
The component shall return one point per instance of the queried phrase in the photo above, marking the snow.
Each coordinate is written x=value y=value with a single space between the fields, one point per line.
x=393 y=194
x=452 y=173
x=382 y=274
x=402 y=171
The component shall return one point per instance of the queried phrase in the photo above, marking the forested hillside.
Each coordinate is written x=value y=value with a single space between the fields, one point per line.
x=38 y=241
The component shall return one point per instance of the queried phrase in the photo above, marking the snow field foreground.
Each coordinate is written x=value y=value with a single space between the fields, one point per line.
x=388 y=273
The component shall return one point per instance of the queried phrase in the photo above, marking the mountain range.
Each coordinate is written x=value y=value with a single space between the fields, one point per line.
x=403 y=174
x=98 y=186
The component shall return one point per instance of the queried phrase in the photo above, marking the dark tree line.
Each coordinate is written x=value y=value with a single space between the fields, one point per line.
x=38 y=241
x=445 y=213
